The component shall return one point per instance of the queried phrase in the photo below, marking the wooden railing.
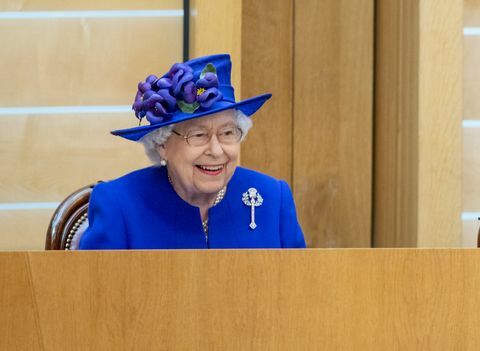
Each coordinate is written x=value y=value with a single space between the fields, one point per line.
x=352 y=299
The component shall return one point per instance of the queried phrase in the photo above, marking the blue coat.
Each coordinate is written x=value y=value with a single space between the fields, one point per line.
x=142 y=211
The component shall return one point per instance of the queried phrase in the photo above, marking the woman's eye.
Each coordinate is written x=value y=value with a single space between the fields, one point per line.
x=227 y=132
x=198 y=135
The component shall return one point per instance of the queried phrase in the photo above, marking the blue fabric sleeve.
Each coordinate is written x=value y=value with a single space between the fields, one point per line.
x=290 y=230
x=106 y=229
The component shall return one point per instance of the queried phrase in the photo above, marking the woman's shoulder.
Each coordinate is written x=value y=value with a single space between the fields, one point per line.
x=249 y=177
x=139 y=177
x=243 y=172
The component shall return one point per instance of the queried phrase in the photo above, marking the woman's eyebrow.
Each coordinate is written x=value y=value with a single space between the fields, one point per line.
x=197 y=128
x=227 y=124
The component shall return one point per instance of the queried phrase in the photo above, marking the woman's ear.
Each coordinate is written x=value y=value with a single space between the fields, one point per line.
x=161 y=150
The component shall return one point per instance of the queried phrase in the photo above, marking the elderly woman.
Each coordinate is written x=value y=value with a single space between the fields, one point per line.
x=195 y=197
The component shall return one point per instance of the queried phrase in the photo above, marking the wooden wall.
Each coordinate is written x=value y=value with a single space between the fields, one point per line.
x=365 y=101
x=316 y=132
x=221 y=35
x=418 y=112
x=471 y=116
x=267 y=62
x=74 y=62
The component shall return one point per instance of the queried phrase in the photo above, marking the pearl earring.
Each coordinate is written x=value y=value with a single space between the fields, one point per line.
x=163 y=162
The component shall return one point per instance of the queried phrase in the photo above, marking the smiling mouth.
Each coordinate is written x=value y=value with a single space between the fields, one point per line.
x=211 y=170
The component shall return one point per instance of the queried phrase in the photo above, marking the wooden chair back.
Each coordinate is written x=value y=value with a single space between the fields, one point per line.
x=69 y=221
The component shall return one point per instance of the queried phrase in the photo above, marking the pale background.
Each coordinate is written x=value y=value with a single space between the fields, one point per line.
x=72 y=62
x=341 y=74
x=471 y=123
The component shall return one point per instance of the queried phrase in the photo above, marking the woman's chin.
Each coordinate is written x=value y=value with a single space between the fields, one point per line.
x=210 y=188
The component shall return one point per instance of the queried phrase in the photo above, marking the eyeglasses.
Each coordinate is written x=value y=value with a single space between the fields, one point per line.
x=199 y=137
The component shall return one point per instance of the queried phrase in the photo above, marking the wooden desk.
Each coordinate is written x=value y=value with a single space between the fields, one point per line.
x=352 y=299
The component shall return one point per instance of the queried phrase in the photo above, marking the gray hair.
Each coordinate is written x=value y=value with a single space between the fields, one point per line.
x=159 y=136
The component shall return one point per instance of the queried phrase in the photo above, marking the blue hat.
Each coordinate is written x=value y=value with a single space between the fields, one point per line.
x=193 y=89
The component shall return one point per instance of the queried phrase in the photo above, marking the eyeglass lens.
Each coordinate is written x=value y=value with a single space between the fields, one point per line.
x=227 y=135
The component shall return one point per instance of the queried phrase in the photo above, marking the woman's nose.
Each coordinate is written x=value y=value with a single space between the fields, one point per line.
x=214 y=146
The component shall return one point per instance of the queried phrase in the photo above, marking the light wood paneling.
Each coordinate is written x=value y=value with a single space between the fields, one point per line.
x=215 y=28
x=440 y=116
x=18 y=306
x=45 y=158
x=241 y=300
x=471 y=77
x=24 y=229
x=471 y=136
x=471 y=17
x=269 y=68
x=471 y=169
x=418 y=123
x=470 y=233
x=396 y=135
x=70 y=62
x=61 y=5
x=332 y=152
x=83 y=61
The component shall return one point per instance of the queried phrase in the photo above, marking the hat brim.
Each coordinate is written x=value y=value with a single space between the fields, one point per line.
x=248 y=107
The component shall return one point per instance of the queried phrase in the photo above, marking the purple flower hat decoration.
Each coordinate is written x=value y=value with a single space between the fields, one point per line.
x=193 y=89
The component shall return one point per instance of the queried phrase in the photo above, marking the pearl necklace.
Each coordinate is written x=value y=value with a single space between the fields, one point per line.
x=218 y=198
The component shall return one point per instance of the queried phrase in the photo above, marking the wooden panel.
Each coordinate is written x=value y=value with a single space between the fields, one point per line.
x=471 y=16
x=471 y=110
x=45 y=158
x=470 y=233
x=471 y=169
x=268 y=147
x=72 y=61
x=83 y=61
x=275 y=300
x=396 y=144
x=221 y=35
x=56 y=5
x=18 y=318
x=418 y=123
x=24 y=229
x=332 y=153
x=471 y=77
x=440 y=116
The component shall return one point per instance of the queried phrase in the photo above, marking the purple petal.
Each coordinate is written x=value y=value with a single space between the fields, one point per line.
x=148 y=94
x=152 y=118
x=190 y=93
x=164 y=83
x=150 y=102
x=210 y=80
x=137 y=105
x=177 y=67
x=170 y=101
x=209 y=97
x=143 y=87
x=137 y=110
x=177 y=88
x=138 y=96
x=159 y=109
x=151 y=78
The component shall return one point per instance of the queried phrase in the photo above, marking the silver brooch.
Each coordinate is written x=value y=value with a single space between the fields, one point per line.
x=253 y=199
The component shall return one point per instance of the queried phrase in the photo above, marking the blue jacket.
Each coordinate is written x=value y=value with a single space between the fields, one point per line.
x=142 y=211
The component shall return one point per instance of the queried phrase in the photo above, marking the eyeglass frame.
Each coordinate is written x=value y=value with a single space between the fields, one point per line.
x=186 y=137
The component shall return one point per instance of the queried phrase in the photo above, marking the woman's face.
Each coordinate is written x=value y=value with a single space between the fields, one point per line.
x=198 y=171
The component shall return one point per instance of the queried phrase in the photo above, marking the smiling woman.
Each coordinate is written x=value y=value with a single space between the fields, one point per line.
x=202 y=162
x=194 y=196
